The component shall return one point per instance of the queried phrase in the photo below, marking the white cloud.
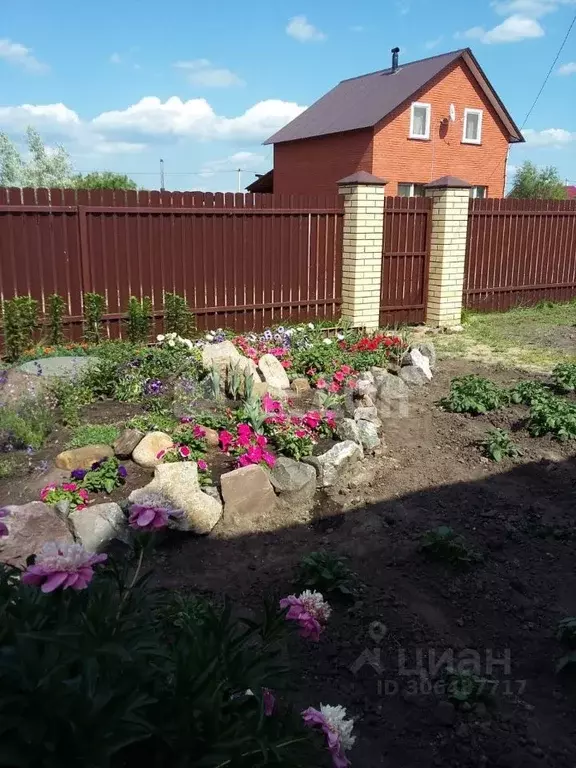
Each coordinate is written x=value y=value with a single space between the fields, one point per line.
x=56 y=116
x=195 y=118
x=430 y=44
x=549 y=137
x=511 y=30
x=533 y=9
x=20 y=56
x=300 y=29
x=115 y=58
x=106 y=147
x=567 y=69
x=202 y=72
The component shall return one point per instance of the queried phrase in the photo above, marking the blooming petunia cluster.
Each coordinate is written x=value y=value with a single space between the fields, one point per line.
x=248 y=447
x=60 y=565
x=71 y=492
x=173 y=340
x=336 y=728
x=309 y=610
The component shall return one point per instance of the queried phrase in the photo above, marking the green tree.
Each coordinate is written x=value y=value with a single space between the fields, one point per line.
x=533 y=182
x=104 y=180
x=46 y=167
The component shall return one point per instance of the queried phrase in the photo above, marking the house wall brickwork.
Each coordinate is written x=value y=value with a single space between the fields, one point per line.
x=314 y=165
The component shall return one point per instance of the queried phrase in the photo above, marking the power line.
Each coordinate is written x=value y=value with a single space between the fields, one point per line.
x=549 y=72
x=175 y=173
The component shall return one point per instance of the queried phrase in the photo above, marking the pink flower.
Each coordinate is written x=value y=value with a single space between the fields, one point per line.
x=243 y=461
x=312 y=419
x=336 y=728
x=185 y=420
x=244 y=430
x=346 y=369
x=225 y=440
x=339 y=376
x=199 y=432
x=161 y=454
x=269 y=701
x=184 y=451
x=144 y=518
x=46 y=490
x=252 y=353
x=270 y=405
x=69 y=486
x=334 y=388
x=202 y=465
x=310 y=610
x=351 y=383
x=321 y=384
x=286 y=363
x=3 y=527
x=268 y=458
x=60 y=564
x=261 y=441
x=296 y=420
x=301 y=433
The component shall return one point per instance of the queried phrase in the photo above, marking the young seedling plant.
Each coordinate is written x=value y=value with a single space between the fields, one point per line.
x=473 y=394
x=555 y=416
x=564 y=376
x=325 y=572
x=444 y=545
x=498 y=445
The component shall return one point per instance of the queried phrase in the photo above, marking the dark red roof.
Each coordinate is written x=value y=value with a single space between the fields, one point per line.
x=363 y=101
x=571 y=193
x=264 y=183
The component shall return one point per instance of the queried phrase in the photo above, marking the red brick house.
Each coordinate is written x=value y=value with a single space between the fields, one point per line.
x=409 y=124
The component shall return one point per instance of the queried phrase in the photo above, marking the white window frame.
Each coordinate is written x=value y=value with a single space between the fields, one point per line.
x=474 y=192
x=480 y=113
x=428 y=108
x=412 y=185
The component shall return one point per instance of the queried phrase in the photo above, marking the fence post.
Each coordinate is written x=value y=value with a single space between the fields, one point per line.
x=362 y=248
x=450 y=204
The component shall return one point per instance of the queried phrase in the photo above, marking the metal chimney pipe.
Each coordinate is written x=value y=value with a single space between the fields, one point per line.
x=395 y=52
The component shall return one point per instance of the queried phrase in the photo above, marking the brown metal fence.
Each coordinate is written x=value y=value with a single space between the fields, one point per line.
x=243 y=261
x=520 y=252
x=405 y=260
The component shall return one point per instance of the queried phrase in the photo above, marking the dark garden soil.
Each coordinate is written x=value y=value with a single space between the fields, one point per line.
x=520 y=515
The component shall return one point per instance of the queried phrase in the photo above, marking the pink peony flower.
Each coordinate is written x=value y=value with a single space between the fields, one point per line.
x=3 y=527
x=184 y=451
x=225 y=440
x=143 y=518
x=202 y=465
x=60 y=564
x=269 y=701
x=310 y=610
x=321 y=384
x=336 y=728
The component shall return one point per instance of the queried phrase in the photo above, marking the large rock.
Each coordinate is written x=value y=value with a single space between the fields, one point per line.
x=146 y=452
x=249 y=499
x=219 y=356
x=365 y=391
x=178 y=485
x=289 y=476
x=300 y=385
x=413 y=376
x=368 y=414
x=392 y=397
x=83 y=458
x=261 y=388
x=96 y=526
x=30 y=526
x=418 y=360
x=126 y=442
x=337 y=462
x=428 y=350
x=273 y=373
x=368 y=435
x=347 y=429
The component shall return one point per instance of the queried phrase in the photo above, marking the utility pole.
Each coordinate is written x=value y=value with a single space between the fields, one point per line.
x=161 y=175
x=239 y=172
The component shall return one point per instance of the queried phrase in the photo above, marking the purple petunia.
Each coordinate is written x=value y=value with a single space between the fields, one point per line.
x=78 y=474
x=122 y=472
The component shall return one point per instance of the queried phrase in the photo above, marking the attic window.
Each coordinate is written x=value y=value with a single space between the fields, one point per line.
x=420 y=121
x=472 y=126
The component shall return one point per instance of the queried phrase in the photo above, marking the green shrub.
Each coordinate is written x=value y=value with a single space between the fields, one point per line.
x=139 y=323
x=26 y=424
x=94 y=308
x=56 y=308
x=530 y=393
x=178 y=317
x=93 y=434
x=443 y=544
x=325 y=572
x=474 y=394
x=154 y=422
x=498 y=445
x=553 y=416
x=20 y=318
x=113 y=676
x=564 y=376
x=70 y=397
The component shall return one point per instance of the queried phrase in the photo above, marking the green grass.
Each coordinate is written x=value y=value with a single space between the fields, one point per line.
x=535 y=338
x=92 y=434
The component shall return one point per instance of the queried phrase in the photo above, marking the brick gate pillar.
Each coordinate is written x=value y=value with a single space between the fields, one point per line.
x=362 y=248
x=450 y=204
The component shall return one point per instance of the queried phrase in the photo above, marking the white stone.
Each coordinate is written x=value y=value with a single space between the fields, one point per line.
x=334 y=463
x=273 y=372
x=96 y=526
x=146 y=452
x=178 y=484
x=419 y=360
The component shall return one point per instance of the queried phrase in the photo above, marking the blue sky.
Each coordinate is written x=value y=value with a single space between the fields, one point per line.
x=122 y=84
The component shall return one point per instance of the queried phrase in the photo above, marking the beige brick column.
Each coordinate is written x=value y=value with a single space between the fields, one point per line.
x=450 y=202
x=362 y=249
